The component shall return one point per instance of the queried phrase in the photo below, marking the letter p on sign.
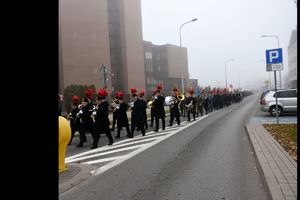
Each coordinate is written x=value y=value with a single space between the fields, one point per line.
x=274 y=56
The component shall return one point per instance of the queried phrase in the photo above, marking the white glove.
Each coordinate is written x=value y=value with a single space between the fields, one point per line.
x=155 y=97
x=80 y=112
x=118 y=107
x=94 y=113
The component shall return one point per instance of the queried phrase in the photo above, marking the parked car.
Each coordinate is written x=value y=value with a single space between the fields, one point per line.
x=286 y=100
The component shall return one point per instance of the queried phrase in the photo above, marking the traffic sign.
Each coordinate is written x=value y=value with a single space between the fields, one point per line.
x=274 y=60
x=274 y=56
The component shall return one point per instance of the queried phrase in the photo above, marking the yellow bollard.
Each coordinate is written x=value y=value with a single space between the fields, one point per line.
x=64 y=134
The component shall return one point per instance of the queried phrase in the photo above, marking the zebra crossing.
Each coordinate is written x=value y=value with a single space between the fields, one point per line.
x=103 y=158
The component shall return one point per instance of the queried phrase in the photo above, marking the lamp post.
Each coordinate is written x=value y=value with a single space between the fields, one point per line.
x=182 y=84
x=275 y=36
x=232 y=59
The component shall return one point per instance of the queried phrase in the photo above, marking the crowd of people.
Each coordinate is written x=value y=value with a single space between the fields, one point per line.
x=92 y=117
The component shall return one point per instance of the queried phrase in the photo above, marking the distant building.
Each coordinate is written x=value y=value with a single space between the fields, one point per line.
x=95 y=33
x=164 y=64
x=292 y=54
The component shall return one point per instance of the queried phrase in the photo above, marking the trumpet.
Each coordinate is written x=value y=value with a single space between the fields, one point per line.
x=114 y=105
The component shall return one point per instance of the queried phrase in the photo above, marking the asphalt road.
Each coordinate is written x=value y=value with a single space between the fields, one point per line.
x=218 y=164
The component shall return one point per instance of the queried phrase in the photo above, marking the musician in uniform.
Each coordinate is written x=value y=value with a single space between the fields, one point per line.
x=101 y=119
x=190 y=105
x=137 y=115
x=140 y=97
x=174 y=107
x=74 y=121
x=199 y=99
x=115 y=112
x=152 y=109
x=85 y=115
x=158 y=103
x=122 y=120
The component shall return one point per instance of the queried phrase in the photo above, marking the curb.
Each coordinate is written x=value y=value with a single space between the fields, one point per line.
x=277 y=169
x=82 y=175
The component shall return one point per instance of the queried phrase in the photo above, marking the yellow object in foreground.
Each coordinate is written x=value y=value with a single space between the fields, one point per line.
x=64 y=134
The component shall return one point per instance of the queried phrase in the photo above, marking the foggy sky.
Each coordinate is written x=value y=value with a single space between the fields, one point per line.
x=225 y=29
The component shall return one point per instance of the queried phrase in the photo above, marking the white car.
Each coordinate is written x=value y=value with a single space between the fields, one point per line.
x=286 y=100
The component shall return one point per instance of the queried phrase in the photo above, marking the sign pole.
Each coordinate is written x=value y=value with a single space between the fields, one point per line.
x=277 y=121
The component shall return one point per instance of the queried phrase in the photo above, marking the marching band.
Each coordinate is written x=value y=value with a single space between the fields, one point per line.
x=89 y=118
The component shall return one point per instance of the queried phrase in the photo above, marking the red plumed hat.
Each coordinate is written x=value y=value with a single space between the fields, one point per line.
x=159 y=86
x=75 y=99
x=133 y=90
x=174 y=89
x=142 y=93
x=120 y=94
x=102 y=92
x=89 y=93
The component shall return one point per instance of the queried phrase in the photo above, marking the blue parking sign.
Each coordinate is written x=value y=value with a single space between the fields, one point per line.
x=274 y=56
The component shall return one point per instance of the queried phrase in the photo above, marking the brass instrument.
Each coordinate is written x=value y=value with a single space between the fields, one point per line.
x=150 y=103
x=94 y=113
x=131 y=105
x=114 y=105
x=181 y=97
x=190 y=106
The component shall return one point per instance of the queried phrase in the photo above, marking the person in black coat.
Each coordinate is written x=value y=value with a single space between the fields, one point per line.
x=174 y=107
x=158 y=103
x=122 y=120
x=140 y=97
x=74 y=121
x=101 y=119
x=152 y=109
x=115 y=113
x=85 y=117
x=190 y=100
x=206 y=103
x=137 y=115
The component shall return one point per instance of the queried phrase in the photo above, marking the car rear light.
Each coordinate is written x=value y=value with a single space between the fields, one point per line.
x=263 y=102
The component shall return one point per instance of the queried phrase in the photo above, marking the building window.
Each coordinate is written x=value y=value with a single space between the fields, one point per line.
x=149 y=68
x=148 y=55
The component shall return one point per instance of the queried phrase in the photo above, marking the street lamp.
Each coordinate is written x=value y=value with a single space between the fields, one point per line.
x=182 y=84
x=232 y=59
x=275 y=36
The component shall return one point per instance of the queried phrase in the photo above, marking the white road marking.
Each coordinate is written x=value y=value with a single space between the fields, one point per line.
x=103 y=160
x=146 y=146
x=102 y=154
x=129 y=142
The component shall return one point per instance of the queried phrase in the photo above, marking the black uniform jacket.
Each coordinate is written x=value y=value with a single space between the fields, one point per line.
x=174 y=110
x=137 y=115
x=122 y=115
x=159 y=107
x=87 y=120
x=101 y=118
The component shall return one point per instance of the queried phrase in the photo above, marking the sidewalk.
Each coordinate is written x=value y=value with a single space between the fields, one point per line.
x=277 y=168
